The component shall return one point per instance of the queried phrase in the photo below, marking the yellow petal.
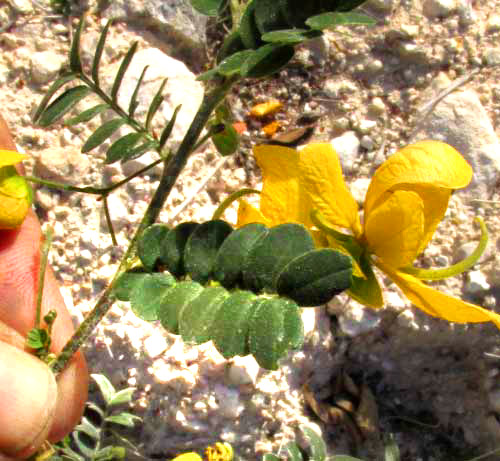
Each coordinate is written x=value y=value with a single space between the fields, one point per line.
x=281 y=200
x=321 y=176
x=431 y=163
x=247 y=214
x=192 y=456
x=435 y=201
x=438 y=304
x=10 y=157
x=394 y=230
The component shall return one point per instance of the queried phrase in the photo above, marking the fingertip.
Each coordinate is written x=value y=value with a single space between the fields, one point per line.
x=72 y=386
x=29 y=396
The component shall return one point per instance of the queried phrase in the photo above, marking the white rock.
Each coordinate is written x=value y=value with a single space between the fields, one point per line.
x=377 y=106
x=229 y=401
x=358 y=320
x=347 y=147
x=493 y=24
x=384 y=6
x=367 y=142
x=66 y=165
x=439 y=8
x=85 y=256
x=177 y=18
x=45 y=65
x=492 y=57
x=461 y=121
x=358 y=189
x=155 y=345
x=243 y=370
x=476 y=283
x=23 y=6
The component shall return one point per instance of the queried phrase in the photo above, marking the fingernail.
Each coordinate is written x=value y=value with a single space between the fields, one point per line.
x=28 y=396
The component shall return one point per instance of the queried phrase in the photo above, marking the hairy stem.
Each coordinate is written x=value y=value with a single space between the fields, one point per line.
x=173 y=168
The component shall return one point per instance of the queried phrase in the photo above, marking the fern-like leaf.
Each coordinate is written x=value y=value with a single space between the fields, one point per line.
x=155 y=104
x=133 y=100
x=98 y=53
x=121 y=71
x=61 y=81
x=75 y=62
x=64 y=103
x=101 y=134
x=167 y=131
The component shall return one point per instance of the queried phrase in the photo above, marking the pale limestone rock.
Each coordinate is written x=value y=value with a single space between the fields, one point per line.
x=45 y=65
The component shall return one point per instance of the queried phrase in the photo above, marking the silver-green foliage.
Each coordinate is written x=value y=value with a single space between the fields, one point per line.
x=89 y=440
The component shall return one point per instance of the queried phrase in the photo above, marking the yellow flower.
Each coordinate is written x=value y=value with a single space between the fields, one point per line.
x=192 y=456
x=217 y=452
x=406 y=199
x=16 y=194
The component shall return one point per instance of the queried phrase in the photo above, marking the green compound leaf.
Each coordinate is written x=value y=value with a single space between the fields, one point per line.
x=150 y=244
x=122 y=147
x=315 y=277
x=275 y=326
x=173 y=302
x=207 y=7
x=231 y=324
x=127 y=281
x=134 y=103
x=105 y=386
x=272 y=252
x=201 y=249
x=167 y=131
x=233 y=64
x=50 y=92
x=147 y=292
x=98 y=52
x=155 y=104
x=197 y=318
x=267 y=60
x=232 y=44
x=249 y=33
x=87 y=115
x=62 y=104
x=226 y=141
x=271 y=457
x=123 y=419
x=290 y=36
x=137 y=151
x=75 y=62
x=102 y=133
x=173 y=247
x=37 y=338
x=269 y=15
x=293 y=452
x=233 y=253
x=121 y=71
x=122 y=396
x=332 y=20
x=316 y=444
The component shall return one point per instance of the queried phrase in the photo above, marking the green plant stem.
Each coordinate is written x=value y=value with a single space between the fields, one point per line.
x=173 y=168
x=44 y=254
x=103 y=191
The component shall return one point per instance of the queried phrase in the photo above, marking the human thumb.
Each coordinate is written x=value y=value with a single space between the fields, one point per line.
x=28 y=397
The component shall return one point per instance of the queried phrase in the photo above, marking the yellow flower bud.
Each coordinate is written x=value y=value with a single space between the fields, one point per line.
x=16 y=197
